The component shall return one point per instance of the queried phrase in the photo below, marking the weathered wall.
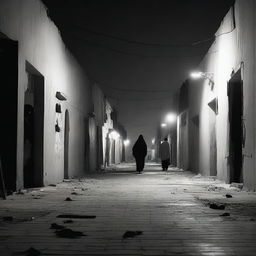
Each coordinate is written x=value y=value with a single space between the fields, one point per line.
x=233 y=48
x=41 y=45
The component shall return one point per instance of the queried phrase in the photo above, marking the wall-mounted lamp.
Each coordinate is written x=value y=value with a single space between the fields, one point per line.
x=171 y=117
x=60 y=96
x=126 y=142
x=163 y=125
x=204 y=75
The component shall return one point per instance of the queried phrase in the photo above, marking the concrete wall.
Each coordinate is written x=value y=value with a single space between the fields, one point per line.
x=234 y=48
x=41 y=45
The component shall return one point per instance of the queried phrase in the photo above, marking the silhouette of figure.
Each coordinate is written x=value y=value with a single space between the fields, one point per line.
x=165 y=154
x=139 y=151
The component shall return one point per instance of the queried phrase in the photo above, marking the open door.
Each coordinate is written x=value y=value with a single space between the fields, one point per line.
x=8 y=110
x=66 y=145
x=235 y=100
x=33 y=129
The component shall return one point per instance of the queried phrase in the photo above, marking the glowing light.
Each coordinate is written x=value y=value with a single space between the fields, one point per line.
x=153 y=141
x=114 y=135
x=163 y=125
x=196 y=74
x=126 y=142
x=171 y=118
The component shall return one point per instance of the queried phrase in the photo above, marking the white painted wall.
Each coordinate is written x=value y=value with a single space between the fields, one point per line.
x=41 y=45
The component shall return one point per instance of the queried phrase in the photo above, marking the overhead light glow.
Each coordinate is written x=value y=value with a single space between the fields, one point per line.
x=196 y=74
x=153 y=141
x=171 y=117
x=126 y=142
x=163 y=125
x=114 y=135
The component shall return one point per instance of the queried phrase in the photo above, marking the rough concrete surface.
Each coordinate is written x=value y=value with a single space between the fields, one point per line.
x=166 y=213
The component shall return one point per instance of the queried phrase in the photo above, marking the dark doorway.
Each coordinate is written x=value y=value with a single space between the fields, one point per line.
x=66 y=145
x=33 y=128
x=8 y=110
x=235 y=100
x=213 y=143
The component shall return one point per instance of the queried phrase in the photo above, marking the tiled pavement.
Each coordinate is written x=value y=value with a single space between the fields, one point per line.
x=169 y=207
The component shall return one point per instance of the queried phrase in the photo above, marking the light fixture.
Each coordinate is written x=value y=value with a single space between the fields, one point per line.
x=114 y=135
x=153 y=141
x=126 y=142
x=163 y=125
x=204 y=75
x=171 y=117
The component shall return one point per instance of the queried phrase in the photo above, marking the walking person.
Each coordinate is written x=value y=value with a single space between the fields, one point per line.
x=139 y=151
x=165 y=154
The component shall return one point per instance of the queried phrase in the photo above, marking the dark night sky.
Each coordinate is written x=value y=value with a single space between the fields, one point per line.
x=140 y=52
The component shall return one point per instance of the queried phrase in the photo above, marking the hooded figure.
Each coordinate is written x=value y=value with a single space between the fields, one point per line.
x=165 y=154
x=139 y=151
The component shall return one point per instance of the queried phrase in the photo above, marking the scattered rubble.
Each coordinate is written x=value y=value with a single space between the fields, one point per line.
x=53 y=185
x=68 y=233
x=216 y=206
x=68 y=199
x=228 y=196
x=131 y=234
x=56 y=226
x=8 y=218
x=225 y=214
x=237 y=185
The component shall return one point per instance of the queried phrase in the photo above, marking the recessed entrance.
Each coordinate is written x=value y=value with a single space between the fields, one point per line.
x=66 y=145
x=235 y=100
x=33 y=128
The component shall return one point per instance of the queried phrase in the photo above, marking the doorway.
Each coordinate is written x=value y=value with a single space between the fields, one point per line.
x=66 y=145
x=33 y=128
x=8 y=110
x=235 y=101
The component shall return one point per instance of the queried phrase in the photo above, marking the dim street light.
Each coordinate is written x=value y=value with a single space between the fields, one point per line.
x=163 y=125
x=153 y=141
x=171 y=118
x=114 y=135
x=126 y=142
x=204 y=75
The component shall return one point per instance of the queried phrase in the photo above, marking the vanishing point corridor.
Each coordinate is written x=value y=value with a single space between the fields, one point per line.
x=171 y=209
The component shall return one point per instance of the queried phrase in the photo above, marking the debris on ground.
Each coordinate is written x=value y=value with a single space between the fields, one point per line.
x=131 y=234
x=75 y=193
x=84 y=189
x=212 y=188
x=31 y=252
x=53 y=185
x=56 y=226
x=8 y=218
x=198 y=176
x=68 y=221
x=75 y=216
x=228 y=196
x=21 y=192
x=225 y=214
x=66 y=180
x=68 y=233
x=236 y=185
x=68 y=199
x=216 y=206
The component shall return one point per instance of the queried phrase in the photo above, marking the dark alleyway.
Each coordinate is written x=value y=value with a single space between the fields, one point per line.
x=171 y=209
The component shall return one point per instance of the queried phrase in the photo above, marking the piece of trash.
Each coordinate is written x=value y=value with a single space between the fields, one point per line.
x=198 y=176
x=69 y=233
x=74 y=216
x=84 y=189
x=68 y=221
x=74 y=193
x=31 y=252
x=228 y=196
x=56 y=226
x=66 y=180
x=8 y=218
x=217 y=206
x=53 y=185
x=225 y=214
x=41 y=190
x=236 y=185
x=211 y=188
x=37 y=197
x=21 y=192
x=68 y=199
x=131 y=234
